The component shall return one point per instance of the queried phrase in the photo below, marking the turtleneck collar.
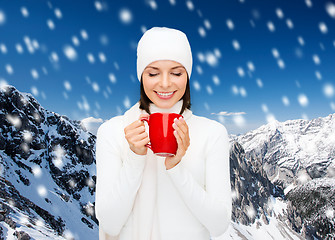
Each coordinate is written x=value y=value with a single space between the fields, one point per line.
x=174 y=109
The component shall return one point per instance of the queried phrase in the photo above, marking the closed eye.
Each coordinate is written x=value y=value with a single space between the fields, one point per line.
x=177 y=74
x=153 y=74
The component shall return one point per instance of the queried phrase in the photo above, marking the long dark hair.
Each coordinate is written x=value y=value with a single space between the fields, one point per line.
x=145 y=101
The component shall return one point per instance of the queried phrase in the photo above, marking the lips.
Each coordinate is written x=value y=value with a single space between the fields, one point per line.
x=165 y=95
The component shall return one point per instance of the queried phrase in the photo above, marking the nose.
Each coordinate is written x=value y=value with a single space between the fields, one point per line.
x=165 y=81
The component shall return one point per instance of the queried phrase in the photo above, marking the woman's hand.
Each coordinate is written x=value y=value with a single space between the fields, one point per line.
x=183 y=140
x=137 y=137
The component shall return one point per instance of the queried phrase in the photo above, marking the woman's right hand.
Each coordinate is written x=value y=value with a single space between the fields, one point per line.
x=137 y=137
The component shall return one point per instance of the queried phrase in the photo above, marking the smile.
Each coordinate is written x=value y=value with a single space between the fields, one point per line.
x=165 y=95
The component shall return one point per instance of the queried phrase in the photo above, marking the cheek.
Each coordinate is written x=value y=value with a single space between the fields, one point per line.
x=147 y=85
x=182 y=83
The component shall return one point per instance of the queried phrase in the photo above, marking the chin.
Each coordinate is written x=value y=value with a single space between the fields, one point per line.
x=166 y=104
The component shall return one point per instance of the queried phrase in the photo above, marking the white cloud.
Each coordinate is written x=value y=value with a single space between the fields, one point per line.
x=228 y=113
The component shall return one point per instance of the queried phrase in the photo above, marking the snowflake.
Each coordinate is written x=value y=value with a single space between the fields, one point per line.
x=37 y=171
x=70 y=52
x=2 y=17
x=90 y=58
x=75 y=41
x=303 y=100
x=230 y=24
x=125 y=16
x=285 y=101
x=15 y=121
x=330 y=8
x=289 y=23
x=58 y=13
x=42 y=191
x=196 y=85
x=202 y=32
x=190 y=5
x=152 y=4
x=126 y=102
x=271 y=26
x=239 y=120
x=19 y=48
x=50 y=24
x=84 y=34
x=24 y=12
x=323 y=27
x=328 y=90
x=301 y=41
x=280 y=13
x=270 y=117
x=67 y=85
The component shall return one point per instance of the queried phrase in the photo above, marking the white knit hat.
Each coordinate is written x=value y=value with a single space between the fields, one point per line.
x=161 y=43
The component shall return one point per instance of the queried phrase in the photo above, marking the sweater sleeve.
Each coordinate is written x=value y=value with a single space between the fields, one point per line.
x=117 y=181
x=211 y=206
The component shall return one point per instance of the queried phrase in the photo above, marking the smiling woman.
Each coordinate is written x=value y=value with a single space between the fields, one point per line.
x=166 y=82
x=140 y=195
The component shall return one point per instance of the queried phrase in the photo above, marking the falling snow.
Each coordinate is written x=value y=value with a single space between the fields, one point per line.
x=51 y=24
x=289 y=24
x=239 y=120
x=303 y=100
x=196 y=85
x=285 y=101
x=19 y=48
x=190 y=5
x=230 y=24
x=309 y=3
x=125 y=16
x=236 y=45
x=2 y=17
x=330 y=8
x=316 y=59
x=70 y=52
x=202 y=32
x=25 y=12
x=271 y=26
x=42 y=191
x=328 y=90
x=58 y=13
x=280 y=13
x=84 y=34
x=209 y=90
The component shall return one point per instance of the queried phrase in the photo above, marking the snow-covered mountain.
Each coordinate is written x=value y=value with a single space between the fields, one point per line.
x=47 y=182
x=91 y=124
x=294 y=151
x=299 y=156
x=47 y=166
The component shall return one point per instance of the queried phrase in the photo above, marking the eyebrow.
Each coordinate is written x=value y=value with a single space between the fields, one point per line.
x=156 y=68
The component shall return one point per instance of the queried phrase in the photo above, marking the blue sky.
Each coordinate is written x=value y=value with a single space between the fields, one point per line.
x=254 y=61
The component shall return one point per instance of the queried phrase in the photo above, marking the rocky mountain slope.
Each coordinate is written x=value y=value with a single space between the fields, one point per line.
x=294 y=151
x=47 y=172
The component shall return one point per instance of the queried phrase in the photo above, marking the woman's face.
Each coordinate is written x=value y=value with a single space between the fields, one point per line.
x=164 y=82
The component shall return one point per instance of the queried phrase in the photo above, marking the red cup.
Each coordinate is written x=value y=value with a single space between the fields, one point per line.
x=162 y=140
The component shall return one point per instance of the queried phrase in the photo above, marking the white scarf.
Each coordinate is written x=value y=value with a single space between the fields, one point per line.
x=145 y=225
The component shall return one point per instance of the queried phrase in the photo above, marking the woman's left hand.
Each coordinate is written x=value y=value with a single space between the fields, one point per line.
x=183 y=141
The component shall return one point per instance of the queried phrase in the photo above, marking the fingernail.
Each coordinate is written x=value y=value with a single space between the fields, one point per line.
x=181 y=119
x=176 y=120
x=174 y=125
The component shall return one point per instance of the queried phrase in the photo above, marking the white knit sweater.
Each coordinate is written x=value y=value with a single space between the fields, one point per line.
x=138 y=199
